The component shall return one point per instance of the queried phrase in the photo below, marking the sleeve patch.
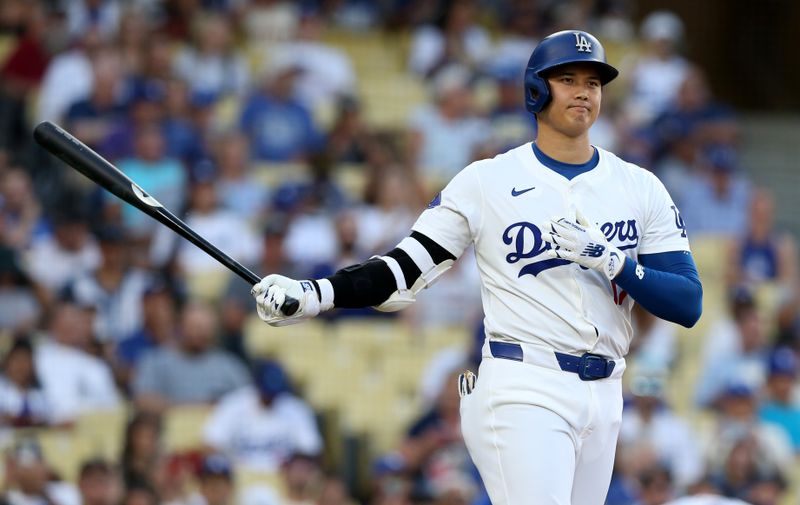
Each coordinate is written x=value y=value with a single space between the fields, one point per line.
x=437 y=200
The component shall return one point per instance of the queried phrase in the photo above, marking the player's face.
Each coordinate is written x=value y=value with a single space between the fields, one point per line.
x=575 y=91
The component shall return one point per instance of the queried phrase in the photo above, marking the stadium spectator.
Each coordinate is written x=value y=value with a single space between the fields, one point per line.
x=696 y=114
x=649 y=423
x=22 y=400
x=334 y=492
x=510 y=123
x=138 y=494
x=205 y=276
x=739 y=430
x=447 y=134
x=212 y=65
x=144 y=108
x=393 y=208
x=350 y=137
x=20 y=300
x=21 y=72
x=114 y=290
x=20 y=211
x=301 y=476
x=780 y=408
x=155 y=69
x=514 y=45
x=326 y=73
x=180 y=134
x=74 y=380
x=740 y=467
x=135 y=28
x=101 y=15
x=238 y=189
x=273 y=236
x=267 y=22
x=142 y=461
x=69 y=76
x=99 y=483
x=311 y=205
x=736 y=352
x=235 y=311
x=656 y=342
x=433 y=451
x=29 y=480
x=157 y=329
x=455 y=38
x=260 y=426
x=766 y=489
x=279 y=127
x=764 y=255
x=68 y=253
x=715 y=199
x=348 y=250
x=655 y=485
x=659 y=71
x=91 y=118
x=160 y=176
x=216 y=482
x=193 y=371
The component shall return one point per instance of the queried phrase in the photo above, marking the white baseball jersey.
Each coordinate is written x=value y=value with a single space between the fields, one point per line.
x=527 y=296
x=261 y=438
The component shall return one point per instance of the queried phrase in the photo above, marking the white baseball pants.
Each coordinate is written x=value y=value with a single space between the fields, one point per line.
x=540 y=435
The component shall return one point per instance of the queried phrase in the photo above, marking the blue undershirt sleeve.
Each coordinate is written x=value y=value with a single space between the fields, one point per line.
x=666 y=284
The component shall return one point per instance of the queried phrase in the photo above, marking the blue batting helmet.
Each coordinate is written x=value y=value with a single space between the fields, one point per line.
x=560 y=48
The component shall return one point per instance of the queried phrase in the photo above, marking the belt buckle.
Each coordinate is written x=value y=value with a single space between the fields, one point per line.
x=593 y=366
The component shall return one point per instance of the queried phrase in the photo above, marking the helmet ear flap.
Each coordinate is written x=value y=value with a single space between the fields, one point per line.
x=537 y=93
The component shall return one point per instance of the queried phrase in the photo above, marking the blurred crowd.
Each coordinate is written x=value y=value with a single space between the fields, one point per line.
x=239 y=116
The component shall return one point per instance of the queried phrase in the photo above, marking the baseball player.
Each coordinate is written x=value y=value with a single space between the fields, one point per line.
x=567 y=236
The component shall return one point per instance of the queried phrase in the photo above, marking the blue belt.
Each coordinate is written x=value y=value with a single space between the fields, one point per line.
x=589 y=366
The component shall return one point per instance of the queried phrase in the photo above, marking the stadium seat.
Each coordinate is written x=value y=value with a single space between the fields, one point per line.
x=183 y=427
x=64 y=450
x=104 y=431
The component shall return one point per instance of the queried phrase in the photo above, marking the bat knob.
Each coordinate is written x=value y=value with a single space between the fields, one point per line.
x=290 y=306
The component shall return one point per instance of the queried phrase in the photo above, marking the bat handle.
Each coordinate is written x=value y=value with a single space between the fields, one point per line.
x=290 y=306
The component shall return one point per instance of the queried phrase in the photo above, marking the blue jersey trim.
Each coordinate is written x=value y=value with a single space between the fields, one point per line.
x=568 y=170
x=666 y=284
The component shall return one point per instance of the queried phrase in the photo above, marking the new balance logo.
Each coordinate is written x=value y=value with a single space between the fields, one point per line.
x=593 y=250
x=514 y=191
x=583 y=45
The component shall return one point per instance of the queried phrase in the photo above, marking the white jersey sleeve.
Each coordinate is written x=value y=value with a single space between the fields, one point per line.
x=453 y=217
x=664 y=229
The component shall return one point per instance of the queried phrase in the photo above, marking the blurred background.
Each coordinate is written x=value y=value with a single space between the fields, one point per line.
x=301 y=137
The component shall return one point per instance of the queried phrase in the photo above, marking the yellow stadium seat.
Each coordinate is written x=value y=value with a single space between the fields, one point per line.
x=183 y=427
x=352 y=178
x=245 y=478
x=64 y=450
x=104 y=431
x=208 y=285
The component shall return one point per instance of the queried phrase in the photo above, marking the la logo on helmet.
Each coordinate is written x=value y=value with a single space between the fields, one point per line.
x=583 y=45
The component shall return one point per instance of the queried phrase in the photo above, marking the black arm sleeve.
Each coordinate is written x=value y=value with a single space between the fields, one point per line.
x=371 y=283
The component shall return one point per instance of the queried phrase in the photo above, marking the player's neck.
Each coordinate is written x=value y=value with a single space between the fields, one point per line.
x=572 y=150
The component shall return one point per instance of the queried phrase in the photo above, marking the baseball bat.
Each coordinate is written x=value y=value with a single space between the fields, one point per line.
x=79 y=156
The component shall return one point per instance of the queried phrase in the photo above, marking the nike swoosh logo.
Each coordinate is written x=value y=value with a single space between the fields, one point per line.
x=514 y=191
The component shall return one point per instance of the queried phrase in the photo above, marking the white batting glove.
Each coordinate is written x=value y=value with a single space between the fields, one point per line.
x=584 y=244
x=274 y=290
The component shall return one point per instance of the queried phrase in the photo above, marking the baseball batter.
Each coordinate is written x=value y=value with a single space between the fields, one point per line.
x=567 y=236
